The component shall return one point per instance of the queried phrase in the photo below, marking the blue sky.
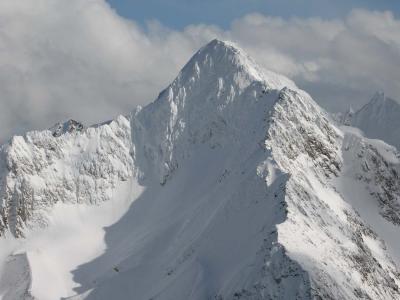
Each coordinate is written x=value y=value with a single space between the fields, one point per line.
x=180 y=13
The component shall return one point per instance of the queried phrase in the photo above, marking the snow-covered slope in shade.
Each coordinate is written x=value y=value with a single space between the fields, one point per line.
x=379 y=119
x=231 y=185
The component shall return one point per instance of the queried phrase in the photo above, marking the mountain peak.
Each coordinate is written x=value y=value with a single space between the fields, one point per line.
x=217 y=45
x=228 y=49
x=379 y=97
x=207 y=103
x=223 y=44
x=350 y=110
x=381 y=103
x=70 y=125
x=225 y=60
x=379 y=118
x=225 y=57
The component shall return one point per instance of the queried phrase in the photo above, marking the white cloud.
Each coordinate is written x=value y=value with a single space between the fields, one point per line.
x=338 y=61
x=79 y=59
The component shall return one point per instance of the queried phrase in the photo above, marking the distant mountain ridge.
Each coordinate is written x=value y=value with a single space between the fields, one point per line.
x=379 y=119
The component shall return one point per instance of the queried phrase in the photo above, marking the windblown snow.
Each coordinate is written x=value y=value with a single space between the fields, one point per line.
x=232 y=184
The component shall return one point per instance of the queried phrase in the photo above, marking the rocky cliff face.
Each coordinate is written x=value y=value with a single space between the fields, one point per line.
x=377 y=166
x=243 y=193
x=72 y=166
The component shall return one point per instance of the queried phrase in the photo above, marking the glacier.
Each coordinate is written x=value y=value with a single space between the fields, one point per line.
x=232 y=184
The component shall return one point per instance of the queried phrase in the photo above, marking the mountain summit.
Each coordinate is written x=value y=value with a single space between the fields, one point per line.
x=232 y=184
x=380 y=119
x=223 y=58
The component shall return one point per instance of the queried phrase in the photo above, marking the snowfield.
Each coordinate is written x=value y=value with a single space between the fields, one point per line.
x=232 y=184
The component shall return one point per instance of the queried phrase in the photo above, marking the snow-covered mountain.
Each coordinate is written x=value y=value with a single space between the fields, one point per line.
x=379 y=119
x=233 y=184
x=344 y=118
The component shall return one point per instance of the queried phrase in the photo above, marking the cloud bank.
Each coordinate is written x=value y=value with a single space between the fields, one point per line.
x=79 y=59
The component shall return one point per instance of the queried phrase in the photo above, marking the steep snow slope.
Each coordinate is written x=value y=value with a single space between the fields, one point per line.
x=379 y=119
x=238 y=189
x=219 y=86
x=370 y=182
x=322 y=231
